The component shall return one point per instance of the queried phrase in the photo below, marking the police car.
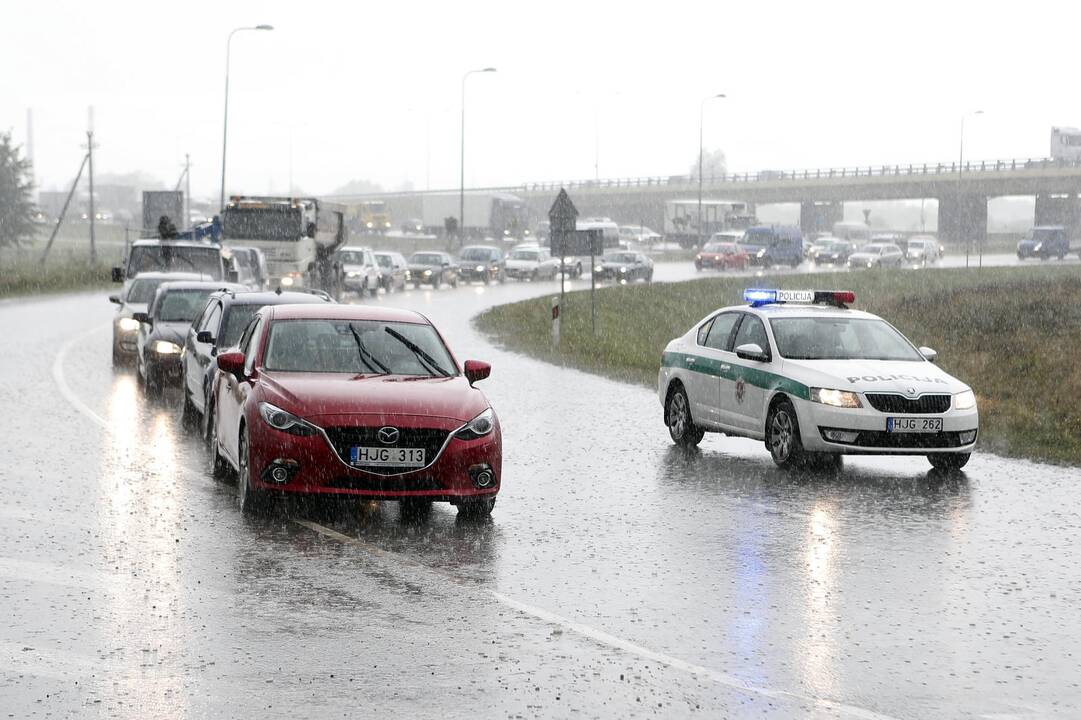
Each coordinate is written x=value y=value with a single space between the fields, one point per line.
x=815 y=380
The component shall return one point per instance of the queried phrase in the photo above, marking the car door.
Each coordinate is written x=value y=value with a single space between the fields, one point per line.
x=743 y=399
x=708 y=365
x=198 y=355
x=231 y=394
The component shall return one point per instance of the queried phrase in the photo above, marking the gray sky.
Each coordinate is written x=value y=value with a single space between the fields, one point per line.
x=354 y=88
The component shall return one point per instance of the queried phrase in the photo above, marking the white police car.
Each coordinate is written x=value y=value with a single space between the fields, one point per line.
x=815 y=380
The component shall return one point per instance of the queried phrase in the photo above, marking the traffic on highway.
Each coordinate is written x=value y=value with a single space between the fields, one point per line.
x=474 y=360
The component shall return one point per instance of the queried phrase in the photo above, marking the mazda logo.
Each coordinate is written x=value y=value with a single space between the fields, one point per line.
x=388 y=435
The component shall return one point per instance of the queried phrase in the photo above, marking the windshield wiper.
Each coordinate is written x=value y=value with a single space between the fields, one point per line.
x=424 y=357
x=366 y=355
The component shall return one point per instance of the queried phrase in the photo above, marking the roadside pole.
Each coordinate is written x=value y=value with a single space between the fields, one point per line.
x=64 y=210
x=90 y=169
x=592 y=285
x=557 y=304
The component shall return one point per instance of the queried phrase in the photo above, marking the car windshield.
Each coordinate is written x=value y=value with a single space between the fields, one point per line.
x=620 y=258
x=426 y=259
x=142 y=290
x=352 y=257
x=236 y=319
x=476 y=254
x=176 y=258
x=385 y=261
x=840 y=338
x=358 y=347
x=873 y=249
x=180 y=305
x=713 y=248
x=524 y=255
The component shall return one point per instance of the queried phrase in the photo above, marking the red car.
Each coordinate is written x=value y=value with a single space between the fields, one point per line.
x=354 y=400
x=721 y=256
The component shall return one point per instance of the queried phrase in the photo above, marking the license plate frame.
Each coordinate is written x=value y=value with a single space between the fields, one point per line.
x=361 y=456
x=913 y=425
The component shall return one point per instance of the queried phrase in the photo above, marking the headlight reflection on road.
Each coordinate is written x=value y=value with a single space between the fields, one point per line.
x=819 y=656
x=140 y=516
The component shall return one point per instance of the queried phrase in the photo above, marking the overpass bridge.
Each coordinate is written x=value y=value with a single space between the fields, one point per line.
x=962 y=193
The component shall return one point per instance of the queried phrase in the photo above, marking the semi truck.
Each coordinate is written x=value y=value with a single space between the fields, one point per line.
x=487 y=214
x=298 y=236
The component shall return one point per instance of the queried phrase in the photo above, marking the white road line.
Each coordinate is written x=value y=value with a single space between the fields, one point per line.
x=62 y=383
x=607 y=639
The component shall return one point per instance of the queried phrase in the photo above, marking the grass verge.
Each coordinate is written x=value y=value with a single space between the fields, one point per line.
x=35 y=278
x=1013 y=334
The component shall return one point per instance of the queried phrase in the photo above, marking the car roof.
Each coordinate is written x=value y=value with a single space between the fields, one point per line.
x=268 y=297
x=159 y=275
x=480 y=247
x=146 y=242
x=197 y=285
x=344 y=312
x=353 y=248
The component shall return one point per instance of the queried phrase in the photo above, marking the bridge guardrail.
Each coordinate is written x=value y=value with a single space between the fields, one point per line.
x=863 y=171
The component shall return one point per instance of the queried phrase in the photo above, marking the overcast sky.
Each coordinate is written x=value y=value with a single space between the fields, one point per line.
x=343 y=90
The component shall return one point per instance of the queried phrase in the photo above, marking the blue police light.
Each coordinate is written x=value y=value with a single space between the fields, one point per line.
x=758 y=297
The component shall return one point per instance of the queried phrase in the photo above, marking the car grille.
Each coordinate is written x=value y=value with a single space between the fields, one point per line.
x=344 y=438
x=925 y=404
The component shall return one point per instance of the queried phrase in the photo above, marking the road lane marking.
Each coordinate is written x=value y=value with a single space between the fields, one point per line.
x=603 y=638
x=62 y=383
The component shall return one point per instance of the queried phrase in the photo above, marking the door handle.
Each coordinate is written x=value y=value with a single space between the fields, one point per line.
x=726 y=367
x=690 y=361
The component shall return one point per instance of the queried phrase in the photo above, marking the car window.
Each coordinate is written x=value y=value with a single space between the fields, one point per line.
x=142 y=290
x=211 y=319
x=720 y=334
x=751 y=330
x=251 y=346
x=246 y=335
x=180 y=305
x=236 y=320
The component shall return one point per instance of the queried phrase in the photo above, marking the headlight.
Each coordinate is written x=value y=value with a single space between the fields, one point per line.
x=386 y=224
x=427 y=273
x=369 y=225
x=287 y=281
x=128 y=324
x=478 y=427
x=762 y=252
x=352 y=274
x=964 y=400
x=623 y=269
x=278 y=419
x=1039 y=246
x=480 y=268
x=164 y=347
x=697 y=257
x=836 y=398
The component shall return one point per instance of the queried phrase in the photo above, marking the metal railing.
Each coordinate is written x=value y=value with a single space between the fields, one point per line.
x=863 y=171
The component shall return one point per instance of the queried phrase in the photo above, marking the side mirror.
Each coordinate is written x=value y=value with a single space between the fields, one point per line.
x=752 y=351
x=476 y=370
x=446 y=264
x=141 y=317
x=205 y=337
x=232 y=363
x=118 y=274
x=928 y=354
x=115 y=299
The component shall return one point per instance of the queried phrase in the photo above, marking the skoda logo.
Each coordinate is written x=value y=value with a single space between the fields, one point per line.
x=912 y=391
x=388 y=435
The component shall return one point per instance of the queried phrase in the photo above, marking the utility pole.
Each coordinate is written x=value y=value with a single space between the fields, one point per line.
x=187 y=189
x=90 y=168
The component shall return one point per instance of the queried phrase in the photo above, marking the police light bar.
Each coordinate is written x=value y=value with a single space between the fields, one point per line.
x=757 y=297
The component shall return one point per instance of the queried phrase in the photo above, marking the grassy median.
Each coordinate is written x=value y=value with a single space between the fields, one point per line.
x=30 y=277
x=1013 y=334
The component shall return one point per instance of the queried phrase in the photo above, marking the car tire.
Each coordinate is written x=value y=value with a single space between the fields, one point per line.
x=437 y=280
x=252 y=500
x=411 y=508
x=219 y=468
x=454 y=282
x=948 y=461
x=476 y=507
x=502 y=277
x=677 y=414
x=783 y=438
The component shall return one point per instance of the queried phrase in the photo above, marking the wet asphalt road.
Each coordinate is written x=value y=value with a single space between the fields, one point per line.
x=618 y=577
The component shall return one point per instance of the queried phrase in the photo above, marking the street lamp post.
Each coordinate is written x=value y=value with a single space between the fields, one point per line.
x=225 y=123
x=461 y=187
x=701 y=153
x=960 y=170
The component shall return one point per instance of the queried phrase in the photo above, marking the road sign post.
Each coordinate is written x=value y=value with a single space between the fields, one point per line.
x=556 y=305
x=562 y=221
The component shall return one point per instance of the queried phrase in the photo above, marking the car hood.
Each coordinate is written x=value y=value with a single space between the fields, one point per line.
x=313 y=395
x=174 y=332
x=422 y=268
x=522 y=263
x=889 y=376
x=863 y=256
x=1028 y=243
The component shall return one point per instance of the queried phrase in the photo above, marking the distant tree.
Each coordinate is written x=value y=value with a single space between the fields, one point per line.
x=16 y=206
x=357 y=187
x=714 y=164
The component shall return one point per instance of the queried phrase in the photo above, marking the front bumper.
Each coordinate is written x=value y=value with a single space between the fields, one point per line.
x=816 y=419
x=321 y=470
x=484 y=274
x=163 y=369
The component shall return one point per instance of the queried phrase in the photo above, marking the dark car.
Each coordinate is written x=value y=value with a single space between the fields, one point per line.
x=135 y=298
x=482 y=262
x=774 y=245
x=1044 y=242
x=218 y=327
x=623 y=265
x=430 y=267
x=835 y=252
x=163 y=327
